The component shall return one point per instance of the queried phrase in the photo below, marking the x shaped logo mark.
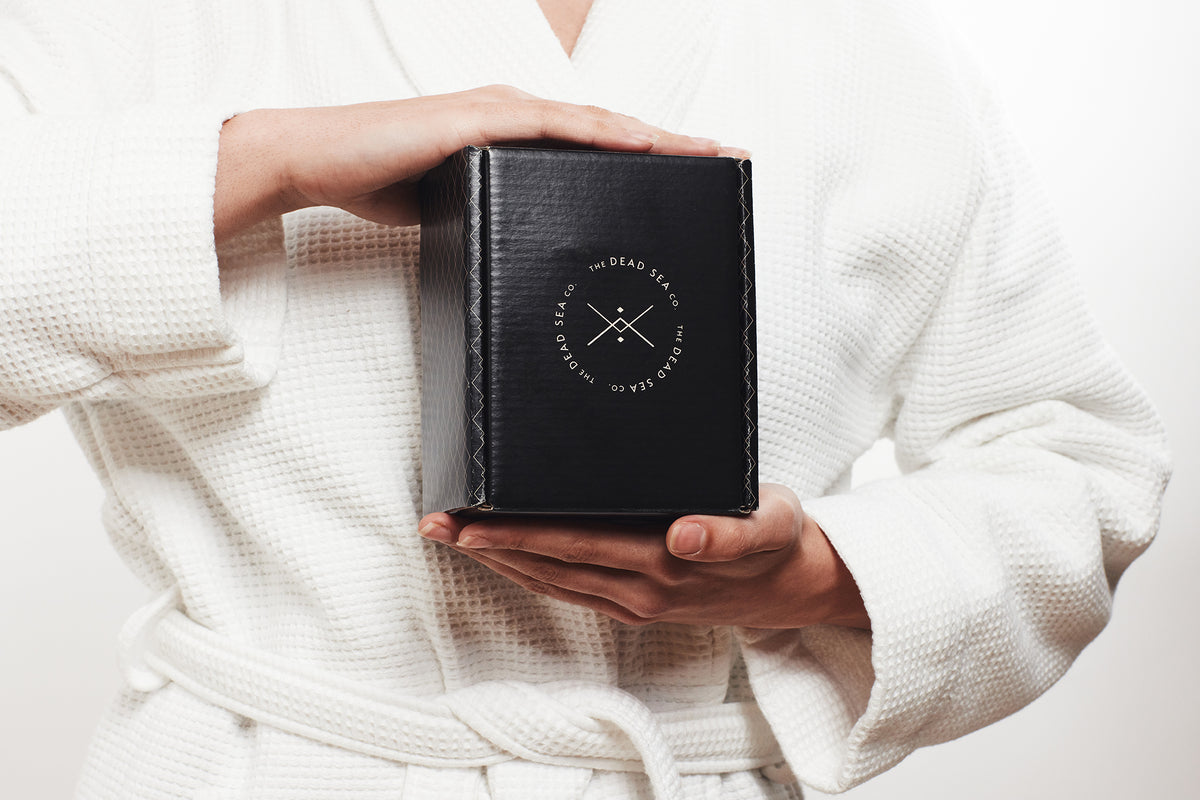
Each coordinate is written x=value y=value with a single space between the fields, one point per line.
x=613 y=324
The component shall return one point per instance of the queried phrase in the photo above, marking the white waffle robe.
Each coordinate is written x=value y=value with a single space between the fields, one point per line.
x=253 y=410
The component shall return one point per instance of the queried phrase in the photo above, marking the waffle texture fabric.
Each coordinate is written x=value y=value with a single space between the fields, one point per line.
x=253 y=410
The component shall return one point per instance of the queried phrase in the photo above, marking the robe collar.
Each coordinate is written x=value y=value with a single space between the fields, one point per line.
x=641 y=57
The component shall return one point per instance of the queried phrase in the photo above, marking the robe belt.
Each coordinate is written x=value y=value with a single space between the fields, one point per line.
x=564 y=723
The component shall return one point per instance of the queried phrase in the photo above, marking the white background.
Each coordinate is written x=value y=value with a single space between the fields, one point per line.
x=1104 y=95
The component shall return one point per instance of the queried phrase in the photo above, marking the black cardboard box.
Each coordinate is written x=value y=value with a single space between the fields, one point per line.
x=588 y=334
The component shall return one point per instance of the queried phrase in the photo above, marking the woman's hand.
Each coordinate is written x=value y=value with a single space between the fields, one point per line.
x=773 y=569
x=368 y=158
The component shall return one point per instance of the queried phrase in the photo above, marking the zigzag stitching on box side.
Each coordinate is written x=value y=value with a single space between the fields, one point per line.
x=748 y=383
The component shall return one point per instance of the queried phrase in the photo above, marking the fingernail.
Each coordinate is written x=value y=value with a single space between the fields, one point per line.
x=642 y=137
x=474 y=541
x=735 y=152
x=439 y=533
x=687 y=540
x=713 y=143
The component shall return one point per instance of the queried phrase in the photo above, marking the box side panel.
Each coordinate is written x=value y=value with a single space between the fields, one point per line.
x=749 y=337
x=475 y=326
x=449 y=331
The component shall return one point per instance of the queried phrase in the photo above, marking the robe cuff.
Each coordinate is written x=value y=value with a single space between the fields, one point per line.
x=117 y=269
x=174 y=315
x=847 y=704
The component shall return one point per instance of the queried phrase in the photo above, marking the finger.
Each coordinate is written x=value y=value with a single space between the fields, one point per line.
x=636 y=548
x=679 y=144
x=722 y=150
x=396 y=204
x=709 y=538
x=581 y=578
x=505 y=115
x=597 y=603
x=734 y=152
x=441 y=527
x=646 y=595
x=608 y=130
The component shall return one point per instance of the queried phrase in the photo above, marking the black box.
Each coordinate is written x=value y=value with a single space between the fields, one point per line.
x=588 y=334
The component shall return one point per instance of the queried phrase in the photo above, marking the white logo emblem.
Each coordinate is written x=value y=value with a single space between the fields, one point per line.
x=591 y=332
x=620 y=325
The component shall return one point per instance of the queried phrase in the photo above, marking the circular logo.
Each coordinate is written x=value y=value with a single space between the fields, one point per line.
x=618 y=325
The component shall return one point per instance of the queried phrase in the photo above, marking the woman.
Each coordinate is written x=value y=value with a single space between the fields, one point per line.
x=246 y=386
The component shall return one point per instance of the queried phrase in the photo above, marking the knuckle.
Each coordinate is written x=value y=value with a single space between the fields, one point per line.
x=550 y=110
x=537 y=587
x=507 y=538
x=544 y=572
x=546 y=114
x=580 y=551
x=502 y=91
x=674 y=572
x=620 y=615
x=602 y=122
x=649 y=606
x=779 y=500
x=740 y=544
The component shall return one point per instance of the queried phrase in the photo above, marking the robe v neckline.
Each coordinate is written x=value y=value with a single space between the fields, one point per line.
x=641 y=58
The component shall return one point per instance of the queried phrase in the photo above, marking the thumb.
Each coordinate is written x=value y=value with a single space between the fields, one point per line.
x=707 y=538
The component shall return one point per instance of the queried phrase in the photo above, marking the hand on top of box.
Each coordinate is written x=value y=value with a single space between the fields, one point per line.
x=367 y=158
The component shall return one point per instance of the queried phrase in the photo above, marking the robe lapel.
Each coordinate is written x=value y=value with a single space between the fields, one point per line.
x=452 y=45
x=640 y=57
x=646 y=57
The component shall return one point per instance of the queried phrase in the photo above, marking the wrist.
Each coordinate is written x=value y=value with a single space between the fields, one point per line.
x=252 y=173
x=835 y=597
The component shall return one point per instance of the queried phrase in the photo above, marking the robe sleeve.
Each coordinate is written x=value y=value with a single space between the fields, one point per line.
x=1033 y=469
x=110 y=282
